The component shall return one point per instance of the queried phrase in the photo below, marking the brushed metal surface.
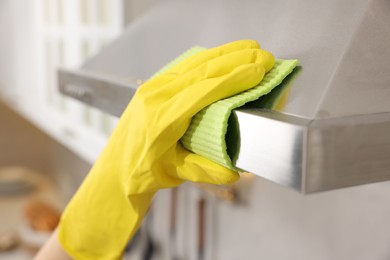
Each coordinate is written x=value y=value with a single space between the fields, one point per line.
x=347 y=151
x=271 y=145
x=313 y=155
x=105 y=93
x=360 y=84
x=320 y=34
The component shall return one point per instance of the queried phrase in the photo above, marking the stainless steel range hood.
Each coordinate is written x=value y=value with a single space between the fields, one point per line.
x=334 y=130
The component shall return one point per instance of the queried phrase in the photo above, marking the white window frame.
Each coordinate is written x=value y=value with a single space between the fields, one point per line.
x=82 y=129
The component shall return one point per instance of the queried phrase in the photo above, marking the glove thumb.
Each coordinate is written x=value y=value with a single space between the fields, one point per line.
x=195 y=168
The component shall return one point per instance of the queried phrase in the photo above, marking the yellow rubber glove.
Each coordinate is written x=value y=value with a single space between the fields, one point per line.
x=143 y=154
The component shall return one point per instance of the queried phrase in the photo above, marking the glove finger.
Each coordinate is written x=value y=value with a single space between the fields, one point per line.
x=196 y=60
x=227 y=63
x=215 y=68
x=176 y=113
x=210 y=54
x=195 y=168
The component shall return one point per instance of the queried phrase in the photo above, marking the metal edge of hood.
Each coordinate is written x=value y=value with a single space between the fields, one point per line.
x=334 y=130
x=313 y=155
x=103 y=92
x=347 y=151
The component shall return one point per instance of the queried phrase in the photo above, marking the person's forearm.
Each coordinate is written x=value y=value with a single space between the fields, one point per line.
x=52 y=250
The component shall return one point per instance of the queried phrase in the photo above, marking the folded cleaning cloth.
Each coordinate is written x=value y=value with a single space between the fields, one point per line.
x=206 y=134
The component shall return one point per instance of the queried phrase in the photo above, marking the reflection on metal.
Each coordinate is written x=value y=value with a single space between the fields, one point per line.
x=270 y=144
x=347 y=151
x=313 y=155
x=327 y=128
x=107 y=93
x=223 y=193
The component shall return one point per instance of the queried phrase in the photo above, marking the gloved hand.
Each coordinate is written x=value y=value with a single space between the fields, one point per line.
x=143 y=154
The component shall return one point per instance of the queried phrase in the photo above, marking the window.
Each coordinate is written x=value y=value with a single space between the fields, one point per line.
x=68 y=32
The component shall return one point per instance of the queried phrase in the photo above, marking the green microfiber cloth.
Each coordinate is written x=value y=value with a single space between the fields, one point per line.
x=207 y=132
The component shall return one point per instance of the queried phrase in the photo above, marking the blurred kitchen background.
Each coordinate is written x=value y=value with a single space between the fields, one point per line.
x=49 y=141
